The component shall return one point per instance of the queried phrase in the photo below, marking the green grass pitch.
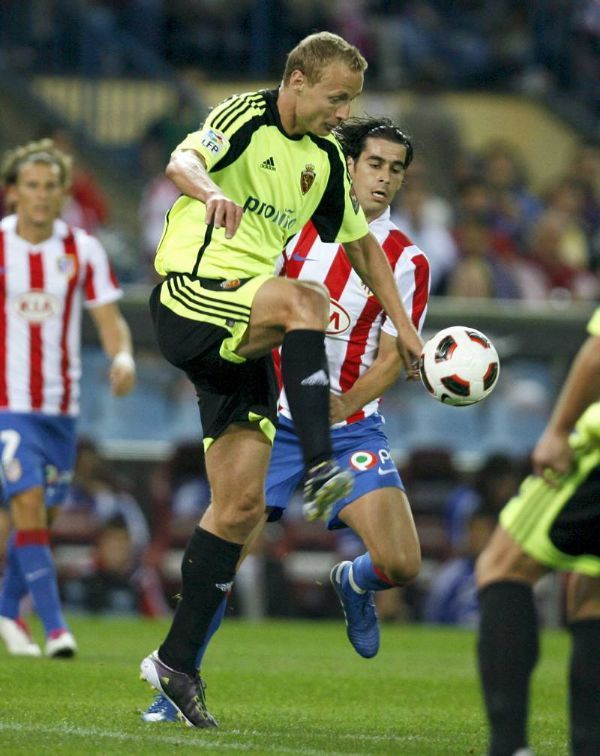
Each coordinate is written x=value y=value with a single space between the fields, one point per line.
x=277 y=687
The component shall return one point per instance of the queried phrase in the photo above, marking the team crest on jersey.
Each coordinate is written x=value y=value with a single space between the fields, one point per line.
x=307 y=177
x=66 y=265
x=35 y=306
x=214 y=141
x=339 y=320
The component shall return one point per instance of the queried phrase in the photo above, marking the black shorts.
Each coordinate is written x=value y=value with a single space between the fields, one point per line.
x=576 y=529
x=227 y=392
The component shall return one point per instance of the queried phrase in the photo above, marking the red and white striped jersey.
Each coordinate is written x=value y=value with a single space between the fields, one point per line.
x=356 y=317
x=43 y=288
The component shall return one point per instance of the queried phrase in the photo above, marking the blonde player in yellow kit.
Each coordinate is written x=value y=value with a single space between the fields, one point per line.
x=262 y=165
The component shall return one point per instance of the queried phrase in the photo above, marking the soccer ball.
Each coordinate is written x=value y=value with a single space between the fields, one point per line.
x=459 y=366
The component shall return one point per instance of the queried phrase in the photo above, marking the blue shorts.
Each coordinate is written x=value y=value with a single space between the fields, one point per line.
x=361 y=447
x=36 y=450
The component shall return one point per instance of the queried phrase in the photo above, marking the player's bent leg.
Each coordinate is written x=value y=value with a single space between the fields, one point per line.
x=583 y=611
x=279 y=306
x=508 y=643
x=382 y=518
x=384 y=521
x=503 y=559
x=34 y=558
x=295 y=314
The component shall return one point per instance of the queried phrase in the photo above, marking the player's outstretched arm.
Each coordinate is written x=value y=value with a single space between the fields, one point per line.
x=581 y=388
x=374 y=382
x=370 y=262
x=115 y=337
x=187 y=171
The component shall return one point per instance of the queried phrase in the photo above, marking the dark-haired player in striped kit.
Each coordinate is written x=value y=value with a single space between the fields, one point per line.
x=261 y=166
x=552 y=524
x=364 y=363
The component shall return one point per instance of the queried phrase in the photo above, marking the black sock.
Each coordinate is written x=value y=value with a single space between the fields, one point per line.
x=507 y=652
x=305 y=374
x=207 y=570
x=584 y=687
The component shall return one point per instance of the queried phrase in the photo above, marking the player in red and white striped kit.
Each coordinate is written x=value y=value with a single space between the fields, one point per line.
x=363 y=364
x=48 y=273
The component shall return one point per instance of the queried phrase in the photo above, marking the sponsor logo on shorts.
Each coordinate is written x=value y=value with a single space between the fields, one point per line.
x=233 y=283
x=363 y=460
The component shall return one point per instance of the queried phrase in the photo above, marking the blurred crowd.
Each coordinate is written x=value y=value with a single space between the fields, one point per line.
x=542 y=45
x=488 y=231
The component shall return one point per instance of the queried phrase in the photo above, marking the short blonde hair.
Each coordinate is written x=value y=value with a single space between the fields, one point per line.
x=42 y=151
x=314 y=52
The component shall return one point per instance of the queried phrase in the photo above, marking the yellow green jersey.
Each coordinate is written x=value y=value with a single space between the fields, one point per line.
x=281 y=181
x=532 y=516
x=588 y=425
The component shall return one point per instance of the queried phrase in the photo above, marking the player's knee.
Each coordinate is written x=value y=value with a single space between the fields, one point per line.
x=28 y=510
x=242 y=513
x=403 y=568
x=309 y=306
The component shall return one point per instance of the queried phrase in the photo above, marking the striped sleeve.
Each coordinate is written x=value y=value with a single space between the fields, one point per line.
x=100 y=285
x=213 y=141
x=413 y=280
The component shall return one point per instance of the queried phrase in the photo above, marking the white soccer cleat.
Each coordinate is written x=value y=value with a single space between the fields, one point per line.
x=60 y=645
x=17 y=638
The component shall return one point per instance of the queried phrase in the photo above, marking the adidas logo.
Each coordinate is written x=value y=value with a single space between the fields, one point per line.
x=269 y=164
x=320 y=378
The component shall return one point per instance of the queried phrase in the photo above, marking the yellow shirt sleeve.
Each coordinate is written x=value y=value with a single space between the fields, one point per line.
x=594 y=323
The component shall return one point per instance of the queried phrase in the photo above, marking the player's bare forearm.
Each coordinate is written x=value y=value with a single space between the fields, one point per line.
x=374 y=382
x=187 y=171
x=370 y=262
x=115 y=337
x=580 y=389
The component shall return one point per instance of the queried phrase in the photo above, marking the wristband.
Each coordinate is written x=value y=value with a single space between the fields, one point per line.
x=124 y=359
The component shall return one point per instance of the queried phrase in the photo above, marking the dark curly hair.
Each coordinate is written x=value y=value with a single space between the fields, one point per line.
x=354 y=133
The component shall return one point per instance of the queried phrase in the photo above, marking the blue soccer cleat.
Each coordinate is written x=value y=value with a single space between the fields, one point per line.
x=160 y=710
x=325 y=484
x=362 y=623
